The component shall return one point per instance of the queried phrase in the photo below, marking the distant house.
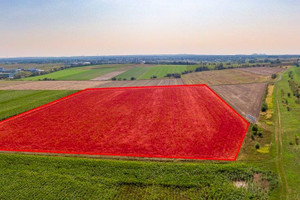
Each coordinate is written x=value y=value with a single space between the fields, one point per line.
x=34 y=70
x=6 y=75
x=1 y=69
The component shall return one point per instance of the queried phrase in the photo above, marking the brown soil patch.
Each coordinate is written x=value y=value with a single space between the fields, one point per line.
x=244 y=98
x=222 y=77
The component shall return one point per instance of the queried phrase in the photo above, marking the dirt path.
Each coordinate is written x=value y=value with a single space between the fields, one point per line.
x=284 y=193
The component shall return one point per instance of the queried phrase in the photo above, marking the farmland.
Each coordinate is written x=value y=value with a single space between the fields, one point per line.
x=245 y=98
x=146 y=72
x=220 y=77
x=16 y=102
x=65 y=177
x=79 y=73
x=121 y=132
x=41 y=177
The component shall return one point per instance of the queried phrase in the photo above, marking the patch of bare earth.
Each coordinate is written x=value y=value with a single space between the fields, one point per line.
x=50 y=85
x=223 y=77
x=262 y=70
x=244 y=98
x=109 y=76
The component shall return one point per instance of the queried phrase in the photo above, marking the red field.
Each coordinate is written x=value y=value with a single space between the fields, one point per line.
x=163 y=121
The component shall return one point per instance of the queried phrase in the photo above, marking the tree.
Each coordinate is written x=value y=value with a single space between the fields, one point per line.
x=114 y=79
x=257 y=146
x=264 y=107
x=132 y=78
x=274 y=76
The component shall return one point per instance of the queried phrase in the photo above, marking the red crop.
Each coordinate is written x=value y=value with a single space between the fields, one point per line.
x=188 y=121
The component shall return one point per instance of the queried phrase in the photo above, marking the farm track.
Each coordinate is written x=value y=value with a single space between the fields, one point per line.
x=284 y=194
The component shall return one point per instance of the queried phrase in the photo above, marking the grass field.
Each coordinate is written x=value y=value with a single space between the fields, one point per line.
x=41 y=177
x=15 y=102
x=288 y=128
x=146 y=72
x=78 y=73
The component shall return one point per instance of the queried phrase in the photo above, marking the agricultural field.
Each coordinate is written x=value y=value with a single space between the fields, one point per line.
x=16 y=102
x=149 y=82
x=146 y=72
x=221 y=77
x=244 y=98
x=112 y=122
x=46 y=177
x=50 y=85
x=79 y=73
x=263 y=70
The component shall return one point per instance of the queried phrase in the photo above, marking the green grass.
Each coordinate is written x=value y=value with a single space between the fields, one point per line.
x=42 y=177
x=15 y=102
x=76 y=73
x=160 y=71
x=290 y=127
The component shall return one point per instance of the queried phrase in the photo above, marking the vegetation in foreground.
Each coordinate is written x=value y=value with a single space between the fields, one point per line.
x=42 y=177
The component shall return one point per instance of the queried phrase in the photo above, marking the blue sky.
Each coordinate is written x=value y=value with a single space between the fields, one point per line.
x=114 y=27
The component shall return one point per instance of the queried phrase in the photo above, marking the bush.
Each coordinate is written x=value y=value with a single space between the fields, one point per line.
x=114 y=78
x=260 y=135
x=274 y=76
x=264 y=107
x=132 y=78
x=257 y=146
x=254 y=128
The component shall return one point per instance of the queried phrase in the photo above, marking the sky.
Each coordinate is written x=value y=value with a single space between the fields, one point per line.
x=126 y=27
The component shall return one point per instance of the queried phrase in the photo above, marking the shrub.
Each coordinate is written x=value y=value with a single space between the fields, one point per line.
x=264 y=107
x=257 y=146
x=132 y=78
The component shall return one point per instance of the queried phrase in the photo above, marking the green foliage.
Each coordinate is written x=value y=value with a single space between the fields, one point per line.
x=264 y=107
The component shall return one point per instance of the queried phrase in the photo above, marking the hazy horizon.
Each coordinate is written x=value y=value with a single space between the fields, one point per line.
x=32 y=28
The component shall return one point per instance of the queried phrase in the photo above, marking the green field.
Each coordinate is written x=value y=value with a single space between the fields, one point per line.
x=288 y=127
x=15 y=102
x=77 y=73
x=42 y=177
x=50 y=177
x=146 y=72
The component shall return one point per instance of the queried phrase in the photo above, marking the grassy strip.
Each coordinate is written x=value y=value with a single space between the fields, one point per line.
x=289 y=112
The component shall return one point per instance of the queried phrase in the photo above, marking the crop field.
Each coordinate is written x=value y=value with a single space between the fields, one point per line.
x=16 y=102
x=244 y=98
x=146 y=72
x=172 y=122
x=221 y=77
x=46 y=177
x=50 y=85
x=79 y=73
x=262 y=70
x=149 y=82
